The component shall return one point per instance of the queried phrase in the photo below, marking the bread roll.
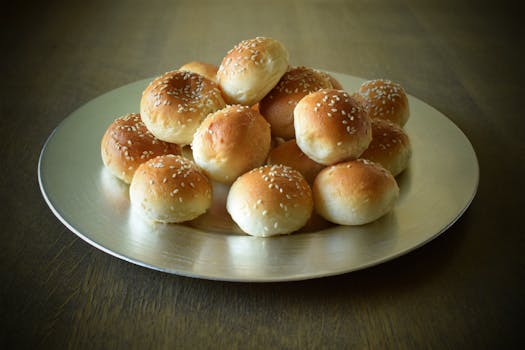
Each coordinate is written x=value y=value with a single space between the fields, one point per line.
x=278 y=105
x=289 y=154
x=355 y=192
x=270 y=200
x=230 y=142
x=170 y=189
x=207 y=70
x=384 y=99
x=127 y=143
x=174 y=105
x=251 y=69
x=331 y=126
x=335 y=83
x=390 y=146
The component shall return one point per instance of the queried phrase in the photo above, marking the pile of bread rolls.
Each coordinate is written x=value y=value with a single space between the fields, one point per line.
x=287 y=140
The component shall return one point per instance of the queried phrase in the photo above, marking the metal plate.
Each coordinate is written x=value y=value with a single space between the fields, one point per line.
x=435 y=191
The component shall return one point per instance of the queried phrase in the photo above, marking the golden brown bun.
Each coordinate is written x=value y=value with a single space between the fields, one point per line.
x=251 y=69
x=207 y=70
x=270 y=200
x=170 y=189
x=289 y=154
x=355 y=192
x=335 y=83
x=390 y=146
x=230 y=142
x=384 y=99
x=174 y=105
x=278 y=105
x=331 y=126
x=127 y=143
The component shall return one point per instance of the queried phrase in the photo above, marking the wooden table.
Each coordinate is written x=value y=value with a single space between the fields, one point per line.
x=463 y=290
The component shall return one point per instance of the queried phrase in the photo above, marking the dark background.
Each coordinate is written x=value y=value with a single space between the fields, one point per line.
x=463 y=290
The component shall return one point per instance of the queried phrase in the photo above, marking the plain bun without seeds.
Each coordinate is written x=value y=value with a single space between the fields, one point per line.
x=127 y=143
x=174 y=105
x=390 y=146
x=230 y=142
x=331 y=126
x=170 y=189
x=355 y=192
x=270 y=200
x=251 y=69
x=289 y=154
x=278 y=105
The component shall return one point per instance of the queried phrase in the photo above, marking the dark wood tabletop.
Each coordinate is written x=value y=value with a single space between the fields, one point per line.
x=463 y=290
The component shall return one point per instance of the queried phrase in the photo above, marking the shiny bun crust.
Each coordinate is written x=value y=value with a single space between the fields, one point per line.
x=354 y=193
x=278 y=105
x=230 y=142
x=289 y=154
x=170 y=189
x=127 y=143
x=207 y=70
x=331 y=126
x=390 y=146
x=174 y=105
x=384 y=99
x=251 y=69
x=270 y=200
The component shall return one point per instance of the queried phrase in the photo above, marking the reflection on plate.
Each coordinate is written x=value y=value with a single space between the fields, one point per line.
x=436 y=189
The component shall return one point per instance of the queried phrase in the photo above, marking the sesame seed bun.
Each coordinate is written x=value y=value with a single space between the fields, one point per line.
x=330 y=126
x=251 y=69
x=390 y=146
x=354 y=193
x=289 y=154
x=230 y=142
x=335 y=83
x=207 y=70
x=127 y=143
x=170 y=189
x=384 y=99
x=278 y=105
x=174 y=105
x=270 y=200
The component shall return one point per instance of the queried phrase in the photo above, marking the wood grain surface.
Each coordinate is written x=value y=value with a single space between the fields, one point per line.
x=463 y=290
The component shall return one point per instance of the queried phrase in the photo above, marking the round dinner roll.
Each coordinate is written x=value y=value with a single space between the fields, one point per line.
x=174 y=105
x=230 y=142
x=330 y=126
x=390 y=146
x=289 y=154
x=207 y=70
x=278 y=105
x=335 y=83
x=355 y=192
x=384 y=99
x=170 y=189
x=251 y=69
x=270 y=200
x=127 y=143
